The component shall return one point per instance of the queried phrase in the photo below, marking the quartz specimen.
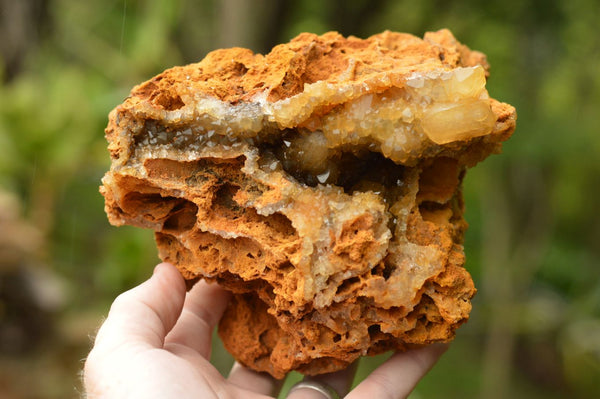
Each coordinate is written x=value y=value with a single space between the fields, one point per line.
x=320 y=183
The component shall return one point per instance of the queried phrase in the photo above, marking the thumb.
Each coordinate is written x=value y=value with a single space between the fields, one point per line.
x=145 y=314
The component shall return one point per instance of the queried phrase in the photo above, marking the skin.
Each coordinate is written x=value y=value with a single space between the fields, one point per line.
x=156 y=343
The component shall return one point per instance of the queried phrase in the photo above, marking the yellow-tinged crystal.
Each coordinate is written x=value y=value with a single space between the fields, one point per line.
x=445 y=123
x=459 y=108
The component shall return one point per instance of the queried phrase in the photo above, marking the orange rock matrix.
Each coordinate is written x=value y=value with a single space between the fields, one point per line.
x=320 y=183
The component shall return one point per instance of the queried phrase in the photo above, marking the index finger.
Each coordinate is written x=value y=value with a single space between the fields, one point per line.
x=203 y=307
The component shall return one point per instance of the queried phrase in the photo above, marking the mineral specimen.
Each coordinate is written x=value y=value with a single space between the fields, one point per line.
x=320 y=183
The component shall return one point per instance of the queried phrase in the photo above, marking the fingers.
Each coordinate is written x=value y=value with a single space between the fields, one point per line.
x=204 y=305
x=145 y=314
x=261 y=383
x=340 y=381
x=399 y=375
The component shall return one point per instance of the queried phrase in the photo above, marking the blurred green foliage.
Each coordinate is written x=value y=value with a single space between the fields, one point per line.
x=534 y=241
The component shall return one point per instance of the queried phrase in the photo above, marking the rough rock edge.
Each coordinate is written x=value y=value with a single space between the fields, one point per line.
x=271 y=325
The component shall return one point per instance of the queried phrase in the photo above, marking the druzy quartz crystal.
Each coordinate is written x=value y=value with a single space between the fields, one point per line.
x=320 y=183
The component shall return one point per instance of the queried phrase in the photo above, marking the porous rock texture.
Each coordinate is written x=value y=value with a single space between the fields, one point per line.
x=320 y=183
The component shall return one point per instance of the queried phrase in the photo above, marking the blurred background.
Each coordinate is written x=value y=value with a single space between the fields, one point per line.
x=533 y=245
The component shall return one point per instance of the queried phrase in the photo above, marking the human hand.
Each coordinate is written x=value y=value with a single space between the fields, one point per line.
x=156 y=342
